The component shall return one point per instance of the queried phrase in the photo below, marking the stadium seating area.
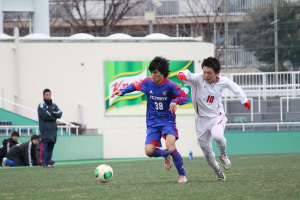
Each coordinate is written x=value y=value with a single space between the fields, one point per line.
x=270 y=111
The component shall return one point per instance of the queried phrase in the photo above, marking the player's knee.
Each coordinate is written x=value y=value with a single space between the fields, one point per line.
x=148 y=152
x=209 y=156
x=170 y=148
x=220 y=141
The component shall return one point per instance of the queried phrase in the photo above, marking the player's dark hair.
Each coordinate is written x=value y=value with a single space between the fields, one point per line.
x=161 y=64
x=46 y=90
x=212 y=63
x=34 y=137
x=15 y=133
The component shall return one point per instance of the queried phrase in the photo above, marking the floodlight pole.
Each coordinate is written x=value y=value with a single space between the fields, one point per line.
x=17 y=50
x=226 y=36
x=276 y=39
x=1 y=18
x=150 y=22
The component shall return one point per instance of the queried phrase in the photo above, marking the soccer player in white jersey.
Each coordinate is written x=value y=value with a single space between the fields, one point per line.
x=210 y=119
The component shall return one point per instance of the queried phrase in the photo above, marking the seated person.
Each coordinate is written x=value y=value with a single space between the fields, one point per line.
x=7 y=144
x=23 y=154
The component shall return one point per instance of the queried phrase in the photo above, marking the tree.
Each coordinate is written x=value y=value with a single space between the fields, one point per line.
x=17 y=19
x=258 y=36
x=208 y=19
x=97 y=18
x=206 y=12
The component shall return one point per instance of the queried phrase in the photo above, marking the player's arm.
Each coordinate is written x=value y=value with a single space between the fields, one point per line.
x=121 y=92
x=130 y=88
x=173 y=107
x=116 y=93
x=4 y=142
x=56 y=113
x=45 y=114
x=237 y=90
x=179 y=97
x=187 y=77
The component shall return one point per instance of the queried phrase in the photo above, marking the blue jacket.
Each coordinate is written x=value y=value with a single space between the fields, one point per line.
x=48 y=114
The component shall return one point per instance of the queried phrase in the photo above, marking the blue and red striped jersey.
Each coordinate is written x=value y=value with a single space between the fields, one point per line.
x=159 y=97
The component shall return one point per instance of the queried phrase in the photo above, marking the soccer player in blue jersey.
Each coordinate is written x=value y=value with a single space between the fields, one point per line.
x=162 y=97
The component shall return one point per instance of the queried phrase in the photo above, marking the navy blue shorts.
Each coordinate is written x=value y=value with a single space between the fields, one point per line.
x=154 y=134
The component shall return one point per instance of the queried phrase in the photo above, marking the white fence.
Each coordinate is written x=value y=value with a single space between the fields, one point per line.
x=8 y=129
x=270 y=84
x=284 y=85
x=277 y=124
x=67 y=127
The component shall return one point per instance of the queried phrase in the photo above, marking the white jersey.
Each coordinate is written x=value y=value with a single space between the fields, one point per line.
x=207 y=97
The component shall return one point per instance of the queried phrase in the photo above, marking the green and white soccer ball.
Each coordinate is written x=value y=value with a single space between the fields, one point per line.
x=103 y=173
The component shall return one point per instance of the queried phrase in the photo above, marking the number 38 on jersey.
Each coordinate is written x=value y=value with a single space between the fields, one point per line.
x=159 y=105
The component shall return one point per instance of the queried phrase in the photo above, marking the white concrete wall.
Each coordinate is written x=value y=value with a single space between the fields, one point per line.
x=74 y=71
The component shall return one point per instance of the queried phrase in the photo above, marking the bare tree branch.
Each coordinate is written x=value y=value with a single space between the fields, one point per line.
x=95 y=17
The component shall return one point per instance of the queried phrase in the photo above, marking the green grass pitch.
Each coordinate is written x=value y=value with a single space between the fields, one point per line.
x=267 y=176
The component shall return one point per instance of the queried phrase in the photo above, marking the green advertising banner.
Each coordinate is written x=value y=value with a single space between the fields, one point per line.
x=120 y=74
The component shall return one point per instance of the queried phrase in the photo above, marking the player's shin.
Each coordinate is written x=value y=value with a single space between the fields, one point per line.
x=222 y=149
x=178 y=162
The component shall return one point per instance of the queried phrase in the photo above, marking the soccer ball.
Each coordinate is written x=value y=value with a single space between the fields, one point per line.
x=103 y=173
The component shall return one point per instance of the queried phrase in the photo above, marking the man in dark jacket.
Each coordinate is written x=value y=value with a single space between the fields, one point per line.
x=23 y=154
x=38 y=154
x=48 y=114
x=7 y=144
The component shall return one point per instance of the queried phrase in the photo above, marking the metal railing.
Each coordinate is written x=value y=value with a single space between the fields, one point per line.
x=68 y=126
x=287 y=105
x=251 y=108
x=284 y=85
x=29 y=129
x=277 y=124
x=266 y=84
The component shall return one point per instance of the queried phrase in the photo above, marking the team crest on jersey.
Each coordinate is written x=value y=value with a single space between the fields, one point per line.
x=164 y=93
x=137 y=85
x=221 y=90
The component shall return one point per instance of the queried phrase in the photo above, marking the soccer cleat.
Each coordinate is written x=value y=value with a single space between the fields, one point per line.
x=220 y=174
x=50 y=166
x=168 y=162
x=4 y=162
x=225 y=161
x=182 y=179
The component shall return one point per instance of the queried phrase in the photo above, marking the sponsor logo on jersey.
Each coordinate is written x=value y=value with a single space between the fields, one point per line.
x=159 y=98
x=151 y=92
